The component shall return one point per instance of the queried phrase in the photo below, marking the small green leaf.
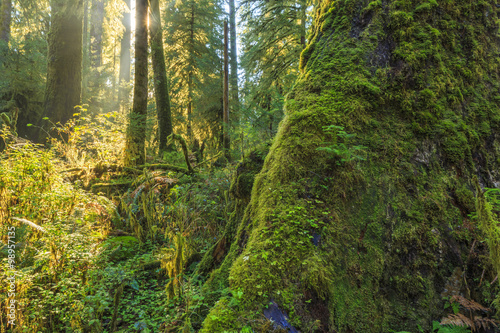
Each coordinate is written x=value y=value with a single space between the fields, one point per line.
x=45 y=118
x=29 y=125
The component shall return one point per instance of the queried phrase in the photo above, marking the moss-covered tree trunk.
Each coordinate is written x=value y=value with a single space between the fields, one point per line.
x=135 y=153
x=353 y=239
x=64 y=71
x=125 y=59
x=5 y=20
x=162 y=96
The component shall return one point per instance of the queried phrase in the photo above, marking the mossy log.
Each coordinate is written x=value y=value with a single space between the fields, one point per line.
x=370 y=245
x=120 y=168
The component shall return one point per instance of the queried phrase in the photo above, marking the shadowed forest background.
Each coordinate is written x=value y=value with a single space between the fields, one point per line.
x=249 y=166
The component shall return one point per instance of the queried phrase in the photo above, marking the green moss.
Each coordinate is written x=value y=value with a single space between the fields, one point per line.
x=366 y=246
x=221 y=319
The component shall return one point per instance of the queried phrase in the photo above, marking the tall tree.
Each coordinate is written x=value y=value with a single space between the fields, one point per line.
x=162 y=94
x=96 y=44
x=86 y=58
x=193 y=54
x=125 y=58
x=64 y=71
x=372 y=240
x=274 y=37
x=135 y=153
x=225 y=125
x=234 y=57
x=5 y=19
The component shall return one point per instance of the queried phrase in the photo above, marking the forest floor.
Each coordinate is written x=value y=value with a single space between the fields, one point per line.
x=100 y=250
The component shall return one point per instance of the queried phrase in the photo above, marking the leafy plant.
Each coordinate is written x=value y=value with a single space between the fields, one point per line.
x=341 y=146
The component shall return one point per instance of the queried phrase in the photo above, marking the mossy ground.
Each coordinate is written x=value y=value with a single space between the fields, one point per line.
x=368 y=246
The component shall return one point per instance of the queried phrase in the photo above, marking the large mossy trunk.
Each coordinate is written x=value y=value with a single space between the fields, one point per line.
x=344 y=244
x=64 y=70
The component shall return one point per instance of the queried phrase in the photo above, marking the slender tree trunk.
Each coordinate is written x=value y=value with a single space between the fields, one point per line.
x=96 y=32
x=135 y=153
x=190 y=78
x=5 y=19
x=86 y=57
x=114 y=78
x=225 y=128
x=234 y=58
x=125 y=59
x=64 y=71
x=303 y=17
x=162 y=97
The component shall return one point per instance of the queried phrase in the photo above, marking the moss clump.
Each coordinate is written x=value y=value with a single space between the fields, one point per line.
x=367 y=246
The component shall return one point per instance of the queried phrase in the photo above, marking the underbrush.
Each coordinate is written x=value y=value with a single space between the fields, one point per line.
x=84 y=262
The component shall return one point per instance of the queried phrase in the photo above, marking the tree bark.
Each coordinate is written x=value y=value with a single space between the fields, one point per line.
x=5 y=20
x=96 y=32
x=303 y=18
x=135 y=153
x=234 y=60
x=225 y=128
x=162 y=96
x=64 y=71
x=371 y=240
x=86 y=55
x=125 y=58
x=190 y=76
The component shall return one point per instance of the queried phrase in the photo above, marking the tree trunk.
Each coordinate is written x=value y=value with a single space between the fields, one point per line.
x=303 y=18
x=125 y=59
x=371 y=239
x=64 y=71
x=86 y=56
x=135 y=153
x=234 y=59
x=96 y=32
x=225 y=127
x=5 y=20
x=190 y=77
x=162 y=97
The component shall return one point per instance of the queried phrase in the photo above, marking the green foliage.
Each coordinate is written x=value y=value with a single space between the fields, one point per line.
x=51 y=265
x=192 y=53
x=438 y=328
x=341 y=147
x=271 y=42
x=23 y=65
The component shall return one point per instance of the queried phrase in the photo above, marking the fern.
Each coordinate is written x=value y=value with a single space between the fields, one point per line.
x=458 y=319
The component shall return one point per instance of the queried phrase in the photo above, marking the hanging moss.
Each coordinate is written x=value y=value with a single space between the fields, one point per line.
x=367 y=246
